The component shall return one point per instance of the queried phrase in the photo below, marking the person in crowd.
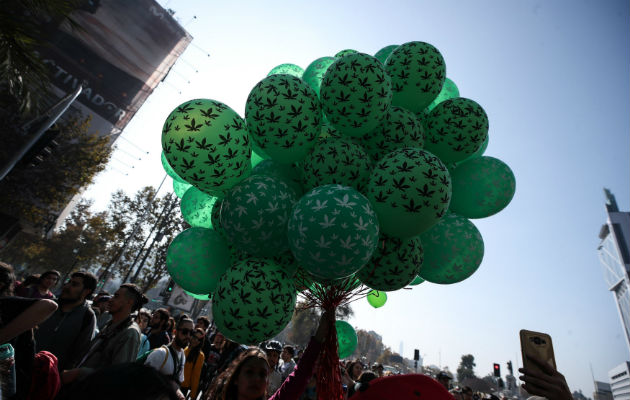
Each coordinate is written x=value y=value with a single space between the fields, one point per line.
x=467 y=393
x=288 y=364
x=246 y=378
x=355 y=368
x=548 y=383
x=229 y=351
x=171 y=326
x=142 y=319
x=103 y=316
x=194 y=363
x=444 y=378
x=298 y=355
x=40 y=289
x=378 y=369
x=18 y=317
x=362 y=382
x=157 y=328
x=28 y=281
x=169 y=360
x=119 y=340
x=203 y=323
x=69 y=331
x=212 y=358
x=272 y=349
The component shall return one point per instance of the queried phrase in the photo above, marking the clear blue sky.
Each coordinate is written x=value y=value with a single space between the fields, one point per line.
x=553 y=77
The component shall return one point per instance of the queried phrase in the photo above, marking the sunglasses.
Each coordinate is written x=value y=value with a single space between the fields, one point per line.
x=186 y=331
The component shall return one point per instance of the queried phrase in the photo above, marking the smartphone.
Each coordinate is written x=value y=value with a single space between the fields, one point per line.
x=539 y=345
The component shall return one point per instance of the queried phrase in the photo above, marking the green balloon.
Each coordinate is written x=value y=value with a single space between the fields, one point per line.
x=394 y=264
x=274 y=169
x=377 y=299
x=449 y=91
x=314 y=73
x=482 y=187
x=204 y=297
x=383 y=53
x=453 y=250
x=337 y=160
x=207 y=144
x=416 y=281
x=169 y=170
x=418 y=71
x=180 y=188
x=256 y=159
x=355 y=94
x=254 y=301
x=254 y=215
x=400 y=128
x=346 y=338
x=455 y=129
x=410 y=190
x=345 y=52
x=283 y=117
x=479 y=152
x=215 y=218
x=287 y=69
x=329 y=131
x=196 y=208
x=333 y=231
x=197 y=258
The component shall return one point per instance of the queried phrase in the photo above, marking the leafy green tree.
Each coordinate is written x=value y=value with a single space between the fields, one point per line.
x=369 y=345
x=466 y=367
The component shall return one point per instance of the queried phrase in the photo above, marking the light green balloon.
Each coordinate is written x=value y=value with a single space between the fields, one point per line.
x=196 y=259
x=400 y=128
x=345 y=52
x=180 y=188
x=256 y=159
x=204 y=297
x=333 y=231
x=346 y=338
x=356 y=94
x=410 y=190
x=169 y=170
x=288 y=69
x=453 y=250
x=283 y=117
x=288 y=175
x=377 y=299
x=416 y=281
x=455 y=129
x=336 y=160
x=207 y=144
x=254 y=301
x=383 y=53
x=314 y=73
x=417 y=71
x=449 y=91
x=482 y=187
x=196 y=207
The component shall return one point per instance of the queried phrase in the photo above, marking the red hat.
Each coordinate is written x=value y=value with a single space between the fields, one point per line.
x=404 y=387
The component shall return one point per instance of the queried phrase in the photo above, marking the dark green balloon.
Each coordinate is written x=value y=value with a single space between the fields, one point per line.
x=417 y=70
x=283 y=172
x=215 y=218
x=253 y=302
x=196 y=207
x=169 y=170
x=455 y=129
x=377 y=299
x=482 y=187
x=449 y=91
x=329 y=131
x=410 y=190
x=283 y=117
x=180 y=188
x=479 y=152
x=400 y=128
x=207 y=144
x=288 y=69
x=355 y=94
x=346 y=338
x=345 y=53
x=394 y=264
x=204 y=297
x=453 y=250
x=416 y=281
x=336 y=160
x=383 y=53
x=196 y=259
x=333 y=231
x=314 y=73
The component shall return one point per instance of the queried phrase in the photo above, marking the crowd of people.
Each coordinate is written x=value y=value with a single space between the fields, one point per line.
x=71 y=348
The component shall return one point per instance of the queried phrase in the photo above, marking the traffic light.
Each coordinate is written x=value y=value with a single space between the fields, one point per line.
x=509 y=365
x=416 y=354
x=170 y=286
x=497 y=370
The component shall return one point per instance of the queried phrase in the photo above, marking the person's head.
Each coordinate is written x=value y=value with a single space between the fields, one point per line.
x=364 y=379
x=184 y=331
x=247 y=376
x=127 y=299
x=287 y=353
x=218 y=340
x=444 y=378
x=159 y=319
x=143 y=318
x=49 y=279
x=101 y=303
x=79 y=288
x=467 y=393
x=354 y=369
x=273 y=348
x=203 y=322
x=7 y=279
x=197 y=338
x=30 y=280
x=378 y=369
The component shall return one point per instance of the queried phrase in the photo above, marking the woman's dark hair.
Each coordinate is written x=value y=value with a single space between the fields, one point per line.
x=224 y=387
x=139 y=298
x=164 y=317
x=50 y=272
x=144 y=312
x=7 y=279
x=350 y=369
x=29 y=280
x=194 y=351
x=89 y=281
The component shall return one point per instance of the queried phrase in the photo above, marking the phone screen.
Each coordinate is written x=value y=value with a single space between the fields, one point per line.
x=539 y=345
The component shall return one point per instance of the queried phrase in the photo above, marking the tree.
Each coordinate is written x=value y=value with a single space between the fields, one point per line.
x=466 y=367
x=303 y=323
x=369 y=345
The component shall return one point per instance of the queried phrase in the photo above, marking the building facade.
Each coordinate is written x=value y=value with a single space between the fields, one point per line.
x=615 y=258
x=602 y=391
x=620 y=381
